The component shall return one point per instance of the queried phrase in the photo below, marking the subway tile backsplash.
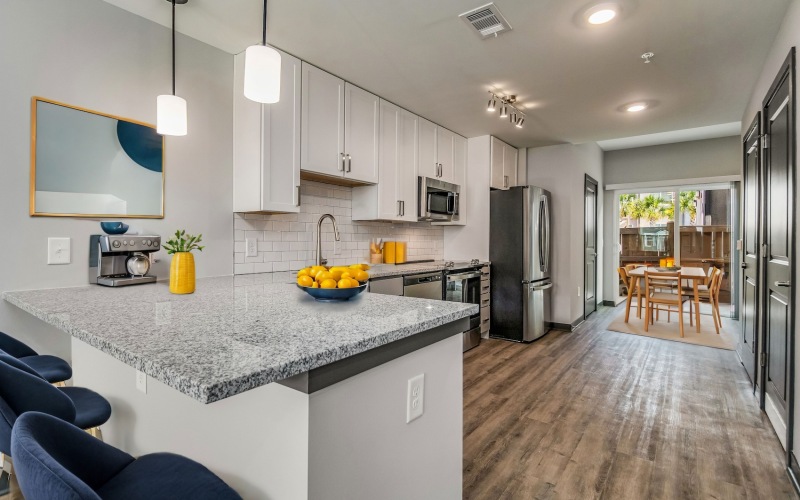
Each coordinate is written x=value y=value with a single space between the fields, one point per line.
x=288 y=241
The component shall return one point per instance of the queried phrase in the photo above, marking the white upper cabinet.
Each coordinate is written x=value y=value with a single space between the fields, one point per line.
x=394 y=197
x=361 y=129
x=436 y=152
x=504 y=164
x=460 y=178
x=339 y=128
x=266 y=144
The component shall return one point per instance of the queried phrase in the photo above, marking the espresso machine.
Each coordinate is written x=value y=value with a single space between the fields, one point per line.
x=121 y=259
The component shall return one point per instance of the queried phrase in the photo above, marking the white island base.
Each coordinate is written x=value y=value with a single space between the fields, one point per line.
x=349 y=440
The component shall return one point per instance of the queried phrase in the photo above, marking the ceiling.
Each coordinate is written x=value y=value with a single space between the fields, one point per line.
x=571 y=77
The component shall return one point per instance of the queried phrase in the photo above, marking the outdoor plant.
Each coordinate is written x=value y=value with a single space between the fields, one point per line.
x=183 y=242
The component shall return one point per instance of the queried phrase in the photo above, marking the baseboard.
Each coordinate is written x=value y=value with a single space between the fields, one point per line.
x=567 y=327
x=794 y=472
x=609 y=303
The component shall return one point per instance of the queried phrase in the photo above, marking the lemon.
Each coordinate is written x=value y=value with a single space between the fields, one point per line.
x=315 y=285
x=345 y=283
x=305 y=281
x=328 y=283
x=323 y=275
x=356 y=266
x=355 y=283
x=336 y=273
x=348 y=274
x=304 y=272
x=319 y=268
x=313 y=272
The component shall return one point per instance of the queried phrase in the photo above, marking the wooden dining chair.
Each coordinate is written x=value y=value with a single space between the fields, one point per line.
x=653 y=283
x=710 y=293
x=623 y=274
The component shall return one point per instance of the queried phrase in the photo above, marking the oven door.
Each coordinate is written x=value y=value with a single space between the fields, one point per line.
x=464 y=287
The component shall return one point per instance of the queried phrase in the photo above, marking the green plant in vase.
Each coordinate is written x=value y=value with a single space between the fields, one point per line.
x=181 y=270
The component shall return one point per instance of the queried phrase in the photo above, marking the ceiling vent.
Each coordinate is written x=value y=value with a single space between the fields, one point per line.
x=486 y=20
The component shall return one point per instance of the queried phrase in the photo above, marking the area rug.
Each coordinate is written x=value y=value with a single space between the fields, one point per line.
x=727 y=338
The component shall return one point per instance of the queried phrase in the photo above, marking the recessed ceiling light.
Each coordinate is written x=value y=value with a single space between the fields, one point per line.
x=636 y=107
x=602 y=13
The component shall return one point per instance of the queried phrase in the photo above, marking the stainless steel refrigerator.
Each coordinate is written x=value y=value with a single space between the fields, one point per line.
x=519 y=250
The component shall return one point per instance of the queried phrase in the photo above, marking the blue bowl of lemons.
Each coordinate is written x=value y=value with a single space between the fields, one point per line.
x=333 y=284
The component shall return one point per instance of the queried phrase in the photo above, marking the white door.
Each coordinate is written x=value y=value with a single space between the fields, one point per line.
x=510 y=157
x=322 y=124
x=280 y=146
x=445 y=154
x=361 y=130
x=407 y=165
x=428 y=166
x=497 y=154
x=388 y=202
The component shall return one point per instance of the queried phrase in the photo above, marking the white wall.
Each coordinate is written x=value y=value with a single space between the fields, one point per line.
x=91 y=54
x=561 y=170
x=472 y=240
x=667 y=162
x=788 y=36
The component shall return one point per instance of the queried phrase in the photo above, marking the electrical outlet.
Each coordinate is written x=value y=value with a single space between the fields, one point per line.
x=58 y=251
x=251 y=249
x=141 y=381
x=416 y=398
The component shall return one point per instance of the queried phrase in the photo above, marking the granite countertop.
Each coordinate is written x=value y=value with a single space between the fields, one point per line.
x=234 y=333
x=389 y=270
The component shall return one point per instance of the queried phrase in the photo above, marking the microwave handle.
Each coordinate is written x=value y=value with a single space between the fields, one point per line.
x=452 y=203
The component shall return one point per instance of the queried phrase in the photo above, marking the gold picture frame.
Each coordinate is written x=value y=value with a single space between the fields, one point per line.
x=66 y=136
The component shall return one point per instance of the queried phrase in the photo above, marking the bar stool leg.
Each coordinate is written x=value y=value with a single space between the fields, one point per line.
x=95 y=432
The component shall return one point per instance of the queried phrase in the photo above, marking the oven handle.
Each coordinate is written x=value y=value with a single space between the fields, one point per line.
x=464 y=276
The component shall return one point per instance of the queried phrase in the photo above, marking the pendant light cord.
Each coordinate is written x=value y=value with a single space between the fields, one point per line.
x=173 y=47
x=264 y=25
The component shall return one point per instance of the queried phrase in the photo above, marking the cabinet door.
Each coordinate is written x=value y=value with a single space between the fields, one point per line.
x=460 y=175
x=322 y=124
x=510 y=156
x=266 y=151
x=280 y=147
x=361 y=129
x=497 y=154
x=407 y=165
x=428 y=166
x=445 y=154
x=388 y=201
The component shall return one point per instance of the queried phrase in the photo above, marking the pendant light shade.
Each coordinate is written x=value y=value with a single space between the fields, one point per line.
x=262 y=69
x=262 y=74
x=171 y=115
x=171 y=109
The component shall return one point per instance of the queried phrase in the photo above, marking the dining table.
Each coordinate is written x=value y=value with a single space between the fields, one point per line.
x=697 y=275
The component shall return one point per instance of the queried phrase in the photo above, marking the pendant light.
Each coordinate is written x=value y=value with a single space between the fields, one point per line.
x=262 y=69
x=171 y=109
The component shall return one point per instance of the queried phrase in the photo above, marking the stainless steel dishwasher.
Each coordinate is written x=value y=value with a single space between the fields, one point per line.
x=423 y=286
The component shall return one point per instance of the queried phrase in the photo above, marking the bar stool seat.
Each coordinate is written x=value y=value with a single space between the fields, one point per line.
x=52 y=368
x=91 y=409
x=54 y=459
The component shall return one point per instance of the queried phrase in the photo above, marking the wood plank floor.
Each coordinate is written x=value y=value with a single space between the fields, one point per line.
x=601 y=414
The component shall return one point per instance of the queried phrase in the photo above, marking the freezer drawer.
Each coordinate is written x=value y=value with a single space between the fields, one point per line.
x=536 y=310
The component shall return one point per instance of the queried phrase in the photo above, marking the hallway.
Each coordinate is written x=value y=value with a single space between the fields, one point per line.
x=600 y=414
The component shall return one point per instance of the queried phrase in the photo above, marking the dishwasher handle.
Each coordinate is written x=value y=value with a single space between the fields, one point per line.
x=419 y=280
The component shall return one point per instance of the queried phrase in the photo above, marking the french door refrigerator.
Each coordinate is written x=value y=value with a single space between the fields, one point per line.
x=519 y=250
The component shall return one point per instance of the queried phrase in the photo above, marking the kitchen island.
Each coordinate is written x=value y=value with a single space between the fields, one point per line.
x=194 y=375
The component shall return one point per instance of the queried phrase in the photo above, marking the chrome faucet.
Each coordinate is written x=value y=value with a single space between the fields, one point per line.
x=320 y=260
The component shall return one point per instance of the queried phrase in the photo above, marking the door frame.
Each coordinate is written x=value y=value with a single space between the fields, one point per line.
x=587 y=179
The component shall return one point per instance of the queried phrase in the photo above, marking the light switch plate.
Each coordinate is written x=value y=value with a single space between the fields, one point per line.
x=58 y=251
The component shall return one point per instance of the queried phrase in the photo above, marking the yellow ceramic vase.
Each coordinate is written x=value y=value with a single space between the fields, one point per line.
x=181 y=273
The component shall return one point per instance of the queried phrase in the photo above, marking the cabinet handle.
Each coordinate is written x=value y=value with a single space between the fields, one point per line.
x=341 y=166
x=403 y=207
x=505 y=181
x=349 y=162
x=399 y=209
x=298 y=196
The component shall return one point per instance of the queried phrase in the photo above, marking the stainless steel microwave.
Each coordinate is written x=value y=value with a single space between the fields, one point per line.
x=438 y=200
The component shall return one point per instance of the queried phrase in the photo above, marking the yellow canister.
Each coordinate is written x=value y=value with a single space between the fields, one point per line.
x=399 y=252
x=389 y=250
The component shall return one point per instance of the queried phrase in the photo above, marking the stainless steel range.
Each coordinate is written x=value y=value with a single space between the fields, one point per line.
x=464 y=285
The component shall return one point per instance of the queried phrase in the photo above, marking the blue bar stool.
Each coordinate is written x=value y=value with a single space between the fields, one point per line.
x=22 y=390
x=55 y=459
x=53 y=369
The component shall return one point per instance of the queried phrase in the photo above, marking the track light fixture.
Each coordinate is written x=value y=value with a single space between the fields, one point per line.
x=508 y=109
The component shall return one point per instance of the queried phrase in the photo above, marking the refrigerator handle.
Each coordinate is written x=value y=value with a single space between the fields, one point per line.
x=547 y=233
x=542 y=287
x=540 y=237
